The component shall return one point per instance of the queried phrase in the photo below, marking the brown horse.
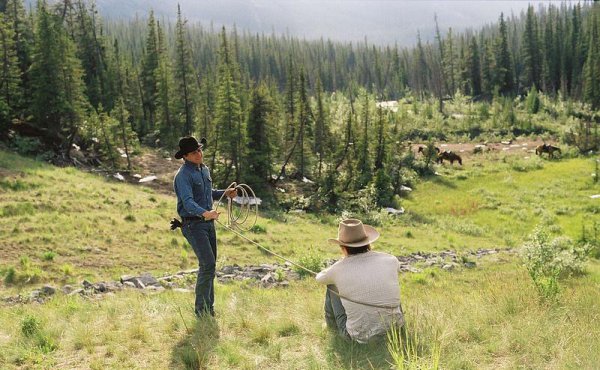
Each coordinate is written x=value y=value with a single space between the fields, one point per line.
x=424 y=150
x=449 y=156
x=547 y=148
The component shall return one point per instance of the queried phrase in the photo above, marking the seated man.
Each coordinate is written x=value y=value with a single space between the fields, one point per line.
x=363 y=292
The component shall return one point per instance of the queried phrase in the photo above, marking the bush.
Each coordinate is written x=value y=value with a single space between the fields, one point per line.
x=258 y=229
x=547 y=258
x=48 y=256
x=10 y=275
x=25 y=145
x=30 y=326
x=311 y=261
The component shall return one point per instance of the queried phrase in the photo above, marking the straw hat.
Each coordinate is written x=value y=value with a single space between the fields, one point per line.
x=352 y=233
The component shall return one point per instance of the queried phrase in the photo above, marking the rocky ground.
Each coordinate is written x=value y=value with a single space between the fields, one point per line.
x=264 y=276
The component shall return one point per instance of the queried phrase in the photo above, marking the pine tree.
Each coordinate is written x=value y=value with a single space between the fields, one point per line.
x=592 y=67
x=487 y=80
x=503 y=70
x=169 y=132
x=531 y=50
x=304 y=131
x=149 y=81
x=473 y=68
x=322 y=132
x=364 y=166
x=10 y=81
x=258 y=162
x=22 y=30
x=228 y=115
x=184 y=105
x=56 y=79
x=450 y=66
x=91 y=51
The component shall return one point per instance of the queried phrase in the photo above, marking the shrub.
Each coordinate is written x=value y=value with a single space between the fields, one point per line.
x=10 y=275
x=30 y=325
x=311 y=261
x=258 y=229
x=48 y=256
x=547 y=258
x=67 y=269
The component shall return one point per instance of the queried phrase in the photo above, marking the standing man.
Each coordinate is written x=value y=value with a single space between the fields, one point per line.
x=363 y=292
x=195 y=195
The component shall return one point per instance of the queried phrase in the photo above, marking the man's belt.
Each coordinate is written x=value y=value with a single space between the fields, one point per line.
x=195 y=219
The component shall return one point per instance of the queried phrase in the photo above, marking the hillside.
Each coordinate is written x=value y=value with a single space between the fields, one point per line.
x=488 y=316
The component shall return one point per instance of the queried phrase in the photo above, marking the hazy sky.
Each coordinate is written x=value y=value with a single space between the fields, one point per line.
x=381 y=21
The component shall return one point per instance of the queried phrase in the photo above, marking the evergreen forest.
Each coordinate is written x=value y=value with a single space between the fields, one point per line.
x=276 y=106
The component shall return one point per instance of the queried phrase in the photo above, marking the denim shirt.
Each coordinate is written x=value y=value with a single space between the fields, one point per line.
x=193 y=186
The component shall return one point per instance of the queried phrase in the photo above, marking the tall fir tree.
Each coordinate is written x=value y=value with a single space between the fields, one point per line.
x=10 y=79
x=22 y=30
x=149 y=83
x=184 y=105
x=56 y=79
x=322 y=131
x=531 y=56
x=363 y=165
x=473 y=68
x=258 y=158
x=503 y=70
x=169 y=131
x=591 y=92
x=228 y=116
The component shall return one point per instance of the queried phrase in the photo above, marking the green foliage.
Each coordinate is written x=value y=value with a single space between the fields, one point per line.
x=48 y=256
x=258 y=229
x=533 y=101
x=67 y=269
x=547 y=258
x=25 y=145
x=10 y=275
x=30 y=326
x=32 y=329
x=383 y=187
x=310 y=260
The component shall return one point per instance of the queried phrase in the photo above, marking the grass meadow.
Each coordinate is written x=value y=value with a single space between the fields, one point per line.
x=61 y=225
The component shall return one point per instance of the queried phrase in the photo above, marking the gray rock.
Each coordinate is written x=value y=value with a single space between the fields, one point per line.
x=469 y=264
x=87 y=285
x=448 y=267
x=138 y=283
x=268 y=278
x=100 y=288
x=77 y=291
x=128 y=284
x=67 y=289
x=48 y=290
x=35 y=294
x=147 y=279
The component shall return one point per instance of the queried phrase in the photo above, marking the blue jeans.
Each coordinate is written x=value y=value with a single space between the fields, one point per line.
x=335 y=313
x=203 y=239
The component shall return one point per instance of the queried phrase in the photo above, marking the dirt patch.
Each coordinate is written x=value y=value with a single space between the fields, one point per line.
x=514 y=147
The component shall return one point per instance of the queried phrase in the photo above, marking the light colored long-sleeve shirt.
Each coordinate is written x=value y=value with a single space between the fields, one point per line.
x=370 y=277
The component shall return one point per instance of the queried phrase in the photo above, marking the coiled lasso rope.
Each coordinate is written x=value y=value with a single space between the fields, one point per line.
x=238 y=217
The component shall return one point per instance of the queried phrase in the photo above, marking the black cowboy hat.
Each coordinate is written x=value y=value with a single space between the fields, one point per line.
x=189 y=144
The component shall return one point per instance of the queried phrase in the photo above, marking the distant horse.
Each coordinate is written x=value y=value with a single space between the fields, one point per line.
x=546 y=148
x=449 y=156
x=424 y=150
